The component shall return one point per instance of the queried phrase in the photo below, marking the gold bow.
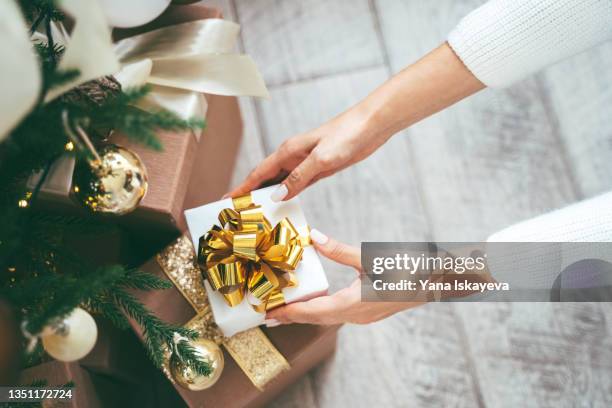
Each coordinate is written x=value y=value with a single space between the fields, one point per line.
x=246 y=255
x=251 y=349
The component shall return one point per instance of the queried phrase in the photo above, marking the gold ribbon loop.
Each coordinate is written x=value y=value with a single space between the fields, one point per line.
x=242 y=202
x=252 y=219
x=245 y=245
x=228 y=218
x=246 y=255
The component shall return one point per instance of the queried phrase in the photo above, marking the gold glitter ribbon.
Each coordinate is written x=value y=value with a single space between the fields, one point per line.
x=251 y=349
x=245 y=254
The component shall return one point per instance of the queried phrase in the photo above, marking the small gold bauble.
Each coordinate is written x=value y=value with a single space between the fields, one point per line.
x=115 y=185
x=208 y=351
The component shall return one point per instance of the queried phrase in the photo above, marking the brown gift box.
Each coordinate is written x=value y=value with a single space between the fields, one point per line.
x=304 y=347
x=90 y=390
x=185 y=163
x=58 y=374
x=118 y=354
x=188 y=173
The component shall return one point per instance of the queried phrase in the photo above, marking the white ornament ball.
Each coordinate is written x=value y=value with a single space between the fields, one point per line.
x=132 y=13
x=72 y=338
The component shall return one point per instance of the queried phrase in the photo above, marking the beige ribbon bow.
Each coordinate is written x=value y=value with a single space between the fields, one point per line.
x=184 y=61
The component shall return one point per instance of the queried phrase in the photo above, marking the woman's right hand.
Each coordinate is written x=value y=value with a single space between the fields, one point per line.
x=305 y=158
x=434 y=82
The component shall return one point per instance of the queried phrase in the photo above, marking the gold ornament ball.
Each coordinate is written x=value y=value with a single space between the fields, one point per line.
x=206 y=350
x=116 y=185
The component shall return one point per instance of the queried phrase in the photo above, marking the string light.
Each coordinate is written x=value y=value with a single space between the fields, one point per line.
x=69 y=146
x=24 y=202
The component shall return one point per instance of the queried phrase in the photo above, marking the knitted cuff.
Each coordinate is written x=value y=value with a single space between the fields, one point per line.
x=586 y=221
x=504 y=41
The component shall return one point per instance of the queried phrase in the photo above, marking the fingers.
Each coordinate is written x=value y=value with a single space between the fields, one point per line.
x=320 y=310
x=335 y=250
x=289 y=155
x=344 y=306
x=266 y=170
x=298 y=179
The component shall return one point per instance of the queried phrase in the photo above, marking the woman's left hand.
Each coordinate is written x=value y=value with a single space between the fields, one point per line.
x=344 y=306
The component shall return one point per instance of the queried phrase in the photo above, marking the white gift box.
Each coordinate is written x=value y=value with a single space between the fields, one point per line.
x=312 y=281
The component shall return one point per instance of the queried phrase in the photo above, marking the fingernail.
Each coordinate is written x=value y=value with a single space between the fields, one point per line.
x=318 y=237
x=280 y=193
x=272 y=322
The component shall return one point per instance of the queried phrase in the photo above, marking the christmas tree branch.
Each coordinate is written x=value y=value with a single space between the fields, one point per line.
x=105 y=305
x=41 y=273
x=155 y=331
x=189 y=357
x=54 y=295
x=120 y=113
x=140 y=280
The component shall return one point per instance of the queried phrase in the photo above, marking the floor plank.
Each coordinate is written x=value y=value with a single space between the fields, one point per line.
x=580 y=93
x=541 y=355
x=296 y=40
x=412 y=359
x=502 y=153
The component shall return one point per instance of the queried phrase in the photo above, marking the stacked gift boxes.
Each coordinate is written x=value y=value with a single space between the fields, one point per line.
x=182 y=164
x=117 y=371
x=57 y=374
x=176 y=175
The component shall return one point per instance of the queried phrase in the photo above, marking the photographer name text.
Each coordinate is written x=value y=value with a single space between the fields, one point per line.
x=427 y=285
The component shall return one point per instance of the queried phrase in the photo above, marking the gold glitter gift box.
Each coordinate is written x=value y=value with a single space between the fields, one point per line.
x=250 y=378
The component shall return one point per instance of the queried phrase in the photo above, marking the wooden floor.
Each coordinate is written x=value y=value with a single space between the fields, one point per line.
x=497 y=158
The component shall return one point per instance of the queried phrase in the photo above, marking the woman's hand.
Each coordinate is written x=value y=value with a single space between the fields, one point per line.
x=436 y=81
x=305 y=158
x=344 y=306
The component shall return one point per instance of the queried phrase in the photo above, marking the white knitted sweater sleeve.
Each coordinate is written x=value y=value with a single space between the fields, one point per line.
x=588 y=221
x=505 y=40
x=585 y=221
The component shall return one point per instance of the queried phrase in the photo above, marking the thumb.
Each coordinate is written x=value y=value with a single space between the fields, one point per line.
x=297 y=180
x=335 y=250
